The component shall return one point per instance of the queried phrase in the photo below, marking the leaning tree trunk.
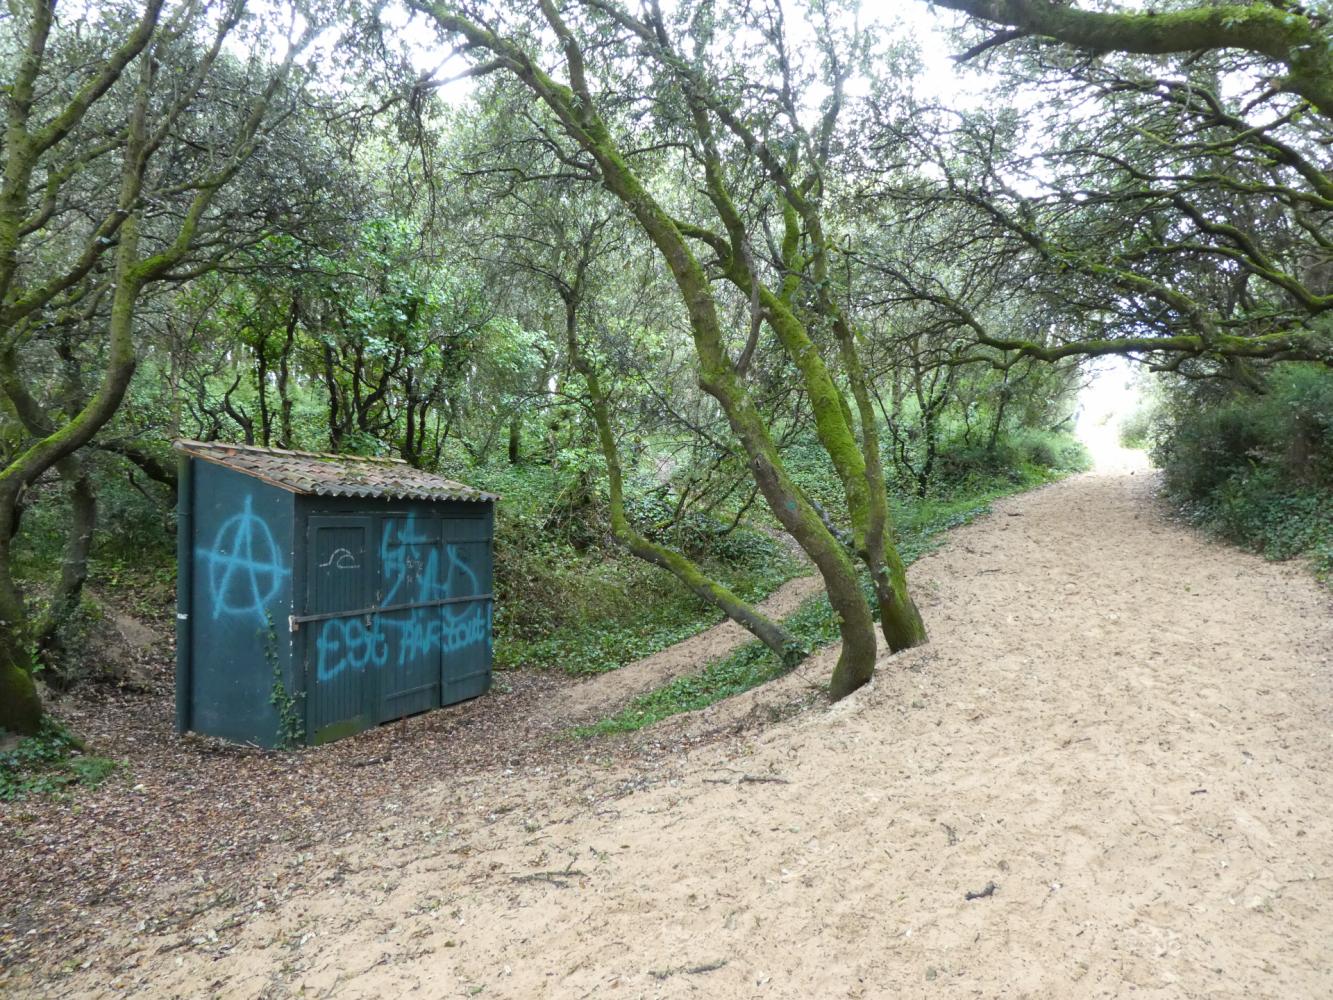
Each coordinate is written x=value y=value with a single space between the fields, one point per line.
x=858 y=463
x=20 y=707
x=74 y=566
x=718 y=378
x=899 y=618
x=783 y=644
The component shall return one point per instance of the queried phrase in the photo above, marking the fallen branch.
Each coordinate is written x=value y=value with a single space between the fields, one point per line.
x=748 y=779
x=558 y=879
x=982 y=893
x=688 y=970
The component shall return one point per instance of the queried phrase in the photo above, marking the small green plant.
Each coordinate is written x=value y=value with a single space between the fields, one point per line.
x=291 y=725
x=49 y=763
x=291 y=721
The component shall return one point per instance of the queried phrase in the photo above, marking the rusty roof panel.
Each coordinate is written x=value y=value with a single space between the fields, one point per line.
x=321 y=474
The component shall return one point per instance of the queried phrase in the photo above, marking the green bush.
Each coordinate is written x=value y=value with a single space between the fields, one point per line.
x=1257 y=469
x=136 y=516
x=40 y=544
x=1136 y=427
x=1024 y=456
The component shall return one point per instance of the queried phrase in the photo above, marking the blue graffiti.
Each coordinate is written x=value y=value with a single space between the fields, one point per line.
x=245 y=566
x=345 y=643
x=410 y=567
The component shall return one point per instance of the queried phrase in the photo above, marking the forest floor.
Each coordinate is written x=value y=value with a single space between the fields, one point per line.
x=1111 y=770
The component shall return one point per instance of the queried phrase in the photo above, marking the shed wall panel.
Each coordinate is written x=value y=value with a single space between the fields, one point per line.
x=466 y=667
x=241 y=596
x=411 y=572
x=262 y=555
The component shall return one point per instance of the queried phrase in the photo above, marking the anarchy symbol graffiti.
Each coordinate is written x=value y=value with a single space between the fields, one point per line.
x=245 y=568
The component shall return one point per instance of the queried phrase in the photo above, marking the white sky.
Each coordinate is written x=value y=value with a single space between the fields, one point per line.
x=926 y=26
x=1112 y=393
x=1110 y=397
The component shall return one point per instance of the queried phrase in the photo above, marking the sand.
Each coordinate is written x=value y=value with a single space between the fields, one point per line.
x=1120 y=737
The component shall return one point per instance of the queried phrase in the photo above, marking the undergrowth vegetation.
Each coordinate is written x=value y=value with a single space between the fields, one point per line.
x=1254 y=468
x=1135 y=430
x=919 y=524
x=53 y=761
x=569 y=599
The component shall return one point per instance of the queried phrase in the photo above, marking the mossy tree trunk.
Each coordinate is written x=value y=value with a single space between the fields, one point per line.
x=783 y=644
x=76 y=475
x=852 y=446
x=1294 y=37
x=52 y=449
x=900 y=620
x=74 y=563
x=20 y=706
x=575 y=108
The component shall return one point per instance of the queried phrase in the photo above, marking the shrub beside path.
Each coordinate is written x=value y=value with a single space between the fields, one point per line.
x=1110 y=770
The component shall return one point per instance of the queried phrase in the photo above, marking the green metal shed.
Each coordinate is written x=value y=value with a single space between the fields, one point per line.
x=319 y=595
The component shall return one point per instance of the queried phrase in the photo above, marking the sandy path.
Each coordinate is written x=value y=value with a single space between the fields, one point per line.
x=1125 y=729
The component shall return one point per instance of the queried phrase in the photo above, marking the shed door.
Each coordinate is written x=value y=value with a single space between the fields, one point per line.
x=412 y=578
x=343 y=651
x=466 y=624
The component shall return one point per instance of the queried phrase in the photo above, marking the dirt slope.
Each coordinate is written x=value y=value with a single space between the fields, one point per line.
x=1125 y=730
x=608 y=693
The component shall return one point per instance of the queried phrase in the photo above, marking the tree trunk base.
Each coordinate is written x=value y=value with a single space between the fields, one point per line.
x=20 y=706
x=901 y=624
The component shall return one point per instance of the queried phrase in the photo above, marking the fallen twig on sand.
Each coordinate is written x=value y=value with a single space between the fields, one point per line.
x=748 y=779
x=688 y=970
x=982 y=893
x=557 y=879
x=368 y=762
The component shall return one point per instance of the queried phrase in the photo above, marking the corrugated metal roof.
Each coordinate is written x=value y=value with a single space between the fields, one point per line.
x=325 y=475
